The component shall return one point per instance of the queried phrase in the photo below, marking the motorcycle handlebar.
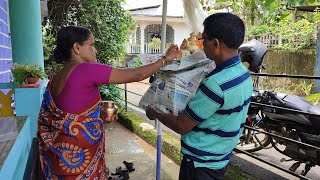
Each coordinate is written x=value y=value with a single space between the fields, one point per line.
x=273 y=95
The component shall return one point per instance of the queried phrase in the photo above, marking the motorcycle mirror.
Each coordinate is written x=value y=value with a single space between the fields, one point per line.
x=253 y=52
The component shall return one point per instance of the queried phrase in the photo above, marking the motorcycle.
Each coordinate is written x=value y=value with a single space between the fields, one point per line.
x=279 y=115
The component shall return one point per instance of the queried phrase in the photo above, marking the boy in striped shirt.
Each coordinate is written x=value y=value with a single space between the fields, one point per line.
x=213 y=120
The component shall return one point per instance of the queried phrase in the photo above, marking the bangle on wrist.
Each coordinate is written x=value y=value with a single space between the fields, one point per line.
x=164 y=61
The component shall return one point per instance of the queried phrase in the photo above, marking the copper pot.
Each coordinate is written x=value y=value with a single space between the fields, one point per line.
x=32 y=80
x=109 y=111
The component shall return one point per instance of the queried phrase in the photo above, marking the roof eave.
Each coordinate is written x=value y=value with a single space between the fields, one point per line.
x=143 y=8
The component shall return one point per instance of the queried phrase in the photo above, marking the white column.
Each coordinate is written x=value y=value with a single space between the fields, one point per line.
x=142 y=27
x=134 y=35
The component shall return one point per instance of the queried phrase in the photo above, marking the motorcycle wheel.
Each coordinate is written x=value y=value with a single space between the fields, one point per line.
x=252 y=141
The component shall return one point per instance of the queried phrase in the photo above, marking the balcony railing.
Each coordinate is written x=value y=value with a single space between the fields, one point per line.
x=149 y=48
x=268 y=39
x=272 y=40
x=134 y=48
x=152 y=49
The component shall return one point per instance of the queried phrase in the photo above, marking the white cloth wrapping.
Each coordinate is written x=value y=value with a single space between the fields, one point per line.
x=194 y=15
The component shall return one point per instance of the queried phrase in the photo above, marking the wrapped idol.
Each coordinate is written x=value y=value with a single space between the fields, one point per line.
x=176 y=83
x=190 y=46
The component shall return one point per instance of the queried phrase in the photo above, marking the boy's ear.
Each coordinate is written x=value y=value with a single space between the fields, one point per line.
x=215 y=42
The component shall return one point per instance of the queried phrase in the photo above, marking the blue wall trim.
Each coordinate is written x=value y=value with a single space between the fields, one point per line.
x=15 y=164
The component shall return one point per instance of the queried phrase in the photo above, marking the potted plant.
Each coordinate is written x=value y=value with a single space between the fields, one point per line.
x=29 y=74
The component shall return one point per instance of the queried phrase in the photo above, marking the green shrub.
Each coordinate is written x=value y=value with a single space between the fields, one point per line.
x=136 y=62
x=314 y=99
x=108 y=22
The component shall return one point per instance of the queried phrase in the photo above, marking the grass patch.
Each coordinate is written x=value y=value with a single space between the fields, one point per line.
x=234 y=172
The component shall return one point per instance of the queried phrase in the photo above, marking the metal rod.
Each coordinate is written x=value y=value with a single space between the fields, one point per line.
x=126 y=96
x=130 y=92
x=143 y=83
x=134 y=93
x=120 y=88
x=285 y=109
x=286 y=76
x=120 y=99
x=159 y=148
x=159 y=125
x=281 y=137
x=271 y=164
x=133 y=104
x=128 y=102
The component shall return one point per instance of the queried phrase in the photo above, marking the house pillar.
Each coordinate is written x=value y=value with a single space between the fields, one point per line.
x=134 y=36
x=26 y=33
x=26 y=40
x=142 y=28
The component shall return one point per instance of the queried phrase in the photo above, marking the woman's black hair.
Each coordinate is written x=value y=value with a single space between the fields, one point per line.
x=66 y=37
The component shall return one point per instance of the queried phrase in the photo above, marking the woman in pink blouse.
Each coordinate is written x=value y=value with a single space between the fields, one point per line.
x=70 y=132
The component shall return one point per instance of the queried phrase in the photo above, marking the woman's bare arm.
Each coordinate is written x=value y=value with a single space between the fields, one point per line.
x=119 y=76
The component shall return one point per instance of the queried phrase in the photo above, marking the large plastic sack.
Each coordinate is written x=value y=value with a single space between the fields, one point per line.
x=177 y=82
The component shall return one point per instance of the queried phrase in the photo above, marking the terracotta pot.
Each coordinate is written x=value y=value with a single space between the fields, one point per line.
x=32 y=80
x=109 y=111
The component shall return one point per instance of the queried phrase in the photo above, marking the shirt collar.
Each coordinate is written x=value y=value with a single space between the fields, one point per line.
x=230 y=62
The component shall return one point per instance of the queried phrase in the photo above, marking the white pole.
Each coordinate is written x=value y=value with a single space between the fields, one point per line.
x=164 y=26
x=159 y=125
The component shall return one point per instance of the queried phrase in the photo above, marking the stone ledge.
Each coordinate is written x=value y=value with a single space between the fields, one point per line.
x=170 y=143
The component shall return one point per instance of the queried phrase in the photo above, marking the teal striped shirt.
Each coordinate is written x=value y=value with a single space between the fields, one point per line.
x=220 y=107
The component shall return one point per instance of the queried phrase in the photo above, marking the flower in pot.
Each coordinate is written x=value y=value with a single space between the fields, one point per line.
x=29 y=74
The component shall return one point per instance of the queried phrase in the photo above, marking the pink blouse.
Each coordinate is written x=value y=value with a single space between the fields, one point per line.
x=81 y=87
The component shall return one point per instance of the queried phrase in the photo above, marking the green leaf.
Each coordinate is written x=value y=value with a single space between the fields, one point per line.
x=267 y=3
x=273 y=6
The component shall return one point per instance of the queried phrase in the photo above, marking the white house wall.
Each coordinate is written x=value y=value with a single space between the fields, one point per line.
x=181 y=30
x=139 y=18
x=148 y=12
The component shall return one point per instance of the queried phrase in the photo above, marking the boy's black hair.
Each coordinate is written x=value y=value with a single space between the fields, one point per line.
x=226 y=27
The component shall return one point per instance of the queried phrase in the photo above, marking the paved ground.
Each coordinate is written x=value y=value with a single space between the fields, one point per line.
x=123 y=145
x=270 y=155
x=273 y=156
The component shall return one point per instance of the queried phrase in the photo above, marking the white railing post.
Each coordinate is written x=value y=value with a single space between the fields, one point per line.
x=279 y=39
x=134 y=48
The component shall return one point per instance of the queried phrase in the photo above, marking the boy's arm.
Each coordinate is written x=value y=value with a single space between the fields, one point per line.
x=207 y=100
x=181 y=124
